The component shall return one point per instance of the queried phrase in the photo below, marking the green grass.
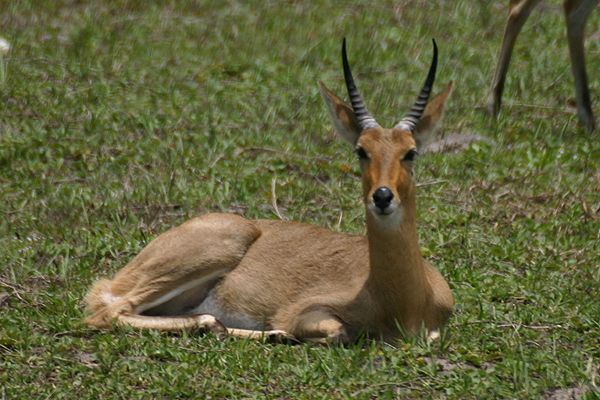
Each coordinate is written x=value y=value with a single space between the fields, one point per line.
x=121 y=119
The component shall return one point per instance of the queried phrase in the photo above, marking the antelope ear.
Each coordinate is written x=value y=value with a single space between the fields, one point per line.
x=343 y=117
x=432 y=116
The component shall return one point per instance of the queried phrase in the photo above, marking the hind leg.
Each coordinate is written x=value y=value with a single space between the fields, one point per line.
x=202 y=322
x=273 y=335
x=577 y=13
x=175 y=271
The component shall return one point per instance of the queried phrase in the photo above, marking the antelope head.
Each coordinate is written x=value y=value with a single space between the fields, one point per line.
x=386 y=155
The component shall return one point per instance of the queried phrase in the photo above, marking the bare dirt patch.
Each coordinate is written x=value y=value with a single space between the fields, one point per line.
x=566 y=394
x=453 y=143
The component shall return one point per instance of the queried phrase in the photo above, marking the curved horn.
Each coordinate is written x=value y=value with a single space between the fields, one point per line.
x=409 y=123
x=365 y=121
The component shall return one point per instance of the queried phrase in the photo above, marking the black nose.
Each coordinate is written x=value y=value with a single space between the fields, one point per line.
x=383 y=197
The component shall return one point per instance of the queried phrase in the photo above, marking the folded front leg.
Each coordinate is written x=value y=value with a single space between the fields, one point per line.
x=321 y=326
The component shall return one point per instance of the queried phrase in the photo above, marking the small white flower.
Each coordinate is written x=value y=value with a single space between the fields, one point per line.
x=4 y=46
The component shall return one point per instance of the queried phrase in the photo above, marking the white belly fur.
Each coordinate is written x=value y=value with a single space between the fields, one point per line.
x=230 y=319
x=179 y=290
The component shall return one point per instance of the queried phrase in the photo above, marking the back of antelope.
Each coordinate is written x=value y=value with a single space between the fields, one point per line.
x=290 y=280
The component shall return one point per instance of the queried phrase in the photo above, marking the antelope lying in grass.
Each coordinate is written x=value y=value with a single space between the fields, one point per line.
x=226 y=274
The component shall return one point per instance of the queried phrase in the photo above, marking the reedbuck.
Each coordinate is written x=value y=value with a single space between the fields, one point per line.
x=576 y=13
x=289 y=280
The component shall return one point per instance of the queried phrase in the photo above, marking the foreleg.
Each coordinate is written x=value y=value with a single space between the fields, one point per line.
x=519 y=11
x=321 y=326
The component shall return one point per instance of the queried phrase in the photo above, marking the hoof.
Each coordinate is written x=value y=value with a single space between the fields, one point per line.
x=209 y=323
x=278 y=336
x=433 y=335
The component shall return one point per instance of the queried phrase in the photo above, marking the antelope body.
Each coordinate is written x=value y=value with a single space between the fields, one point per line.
x=576 y=15
x=283 y=279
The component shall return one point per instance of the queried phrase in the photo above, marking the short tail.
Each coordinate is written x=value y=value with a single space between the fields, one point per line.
x=100 y=296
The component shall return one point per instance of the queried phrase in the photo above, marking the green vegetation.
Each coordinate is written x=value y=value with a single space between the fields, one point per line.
x=121 y=119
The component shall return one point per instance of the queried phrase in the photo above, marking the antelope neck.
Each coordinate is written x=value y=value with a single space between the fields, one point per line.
x=397 y=277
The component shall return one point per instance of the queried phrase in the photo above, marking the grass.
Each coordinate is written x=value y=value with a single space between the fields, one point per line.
x=121 y=119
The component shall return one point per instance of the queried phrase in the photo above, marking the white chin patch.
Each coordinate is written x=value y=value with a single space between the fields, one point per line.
x=391 y=217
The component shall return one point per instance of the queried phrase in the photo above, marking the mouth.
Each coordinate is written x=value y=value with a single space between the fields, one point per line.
x=386 y=211
x=382 y=212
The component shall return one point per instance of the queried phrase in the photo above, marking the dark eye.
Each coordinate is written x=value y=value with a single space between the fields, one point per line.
x=411 y=155
x=361 y=153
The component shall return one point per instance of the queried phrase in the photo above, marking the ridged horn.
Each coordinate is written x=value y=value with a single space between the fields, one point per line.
x=409 y=123
x=365 y=121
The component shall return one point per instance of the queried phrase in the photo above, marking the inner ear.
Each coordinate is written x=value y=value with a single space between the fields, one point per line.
x=432 y=117
x=343 y=117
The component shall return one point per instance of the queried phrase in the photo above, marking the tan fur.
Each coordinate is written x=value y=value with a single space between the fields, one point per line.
x=294 y=280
